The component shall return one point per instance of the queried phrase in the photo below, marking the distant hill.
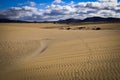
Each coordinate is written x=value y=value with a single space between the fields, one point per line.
x=11 y=21
x=90 y=19
x=100 y=19
x=70 y=20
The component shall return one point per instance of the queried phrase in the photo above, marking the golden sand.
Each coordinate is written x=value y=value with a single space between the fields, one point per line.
x=29 y=52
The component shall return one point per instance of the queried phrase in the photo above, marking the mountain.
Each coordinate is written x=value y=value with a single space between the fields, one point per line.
x=70 y=20
x=11 y=21
x=91 y=19
x=100 y=19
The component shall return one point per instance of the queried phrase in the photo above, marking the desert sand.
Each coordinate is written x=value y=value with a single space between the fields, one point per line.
x=42 y=51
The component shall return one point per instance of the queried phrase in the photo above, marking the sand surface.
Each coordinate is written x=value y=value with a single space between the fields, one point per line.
x=30 y=52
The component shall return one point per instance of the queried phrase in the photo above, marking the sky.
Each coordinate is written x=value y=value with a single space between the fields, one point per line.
x=50 y=10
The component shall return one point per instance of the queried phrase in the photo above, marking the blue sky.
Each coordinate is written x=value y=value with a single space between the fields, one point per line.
x=4 y=4
x=42 y=10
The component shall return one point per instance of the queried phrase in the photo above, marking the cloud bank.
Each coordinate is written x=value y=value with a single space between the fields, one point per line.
x=60 y=10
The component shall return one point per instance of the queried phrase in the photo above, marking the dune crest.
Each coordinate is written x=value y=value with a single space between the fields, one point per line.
x=44 y=43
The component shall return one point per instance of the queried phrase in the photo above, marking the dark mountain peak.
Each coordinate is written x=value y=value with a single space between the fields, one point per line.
x=101 y=19
x=92 y=19
x=70 y=20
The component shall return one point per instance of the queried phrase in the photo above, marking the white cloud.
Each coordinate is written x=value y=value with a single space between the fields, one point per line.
x=58 y=1
x=57 y=11
x=32 y=3
x=28 y=8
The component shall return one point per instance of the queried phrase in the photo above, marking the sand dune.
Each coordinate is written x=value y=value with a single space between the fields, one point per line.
x=34 y=53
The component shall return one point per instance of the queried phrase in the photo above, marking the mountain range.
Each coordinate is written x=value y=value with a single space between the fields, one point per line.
x=91 y=19
x=70 y=20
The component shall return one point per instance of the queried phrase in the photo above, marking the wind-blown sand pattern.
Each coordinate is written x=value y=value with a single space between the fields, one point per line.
x=32 y=53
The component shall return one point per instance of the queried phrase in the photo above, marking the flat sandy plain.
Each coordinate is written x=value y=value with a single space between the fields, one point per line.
x=32 y=52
